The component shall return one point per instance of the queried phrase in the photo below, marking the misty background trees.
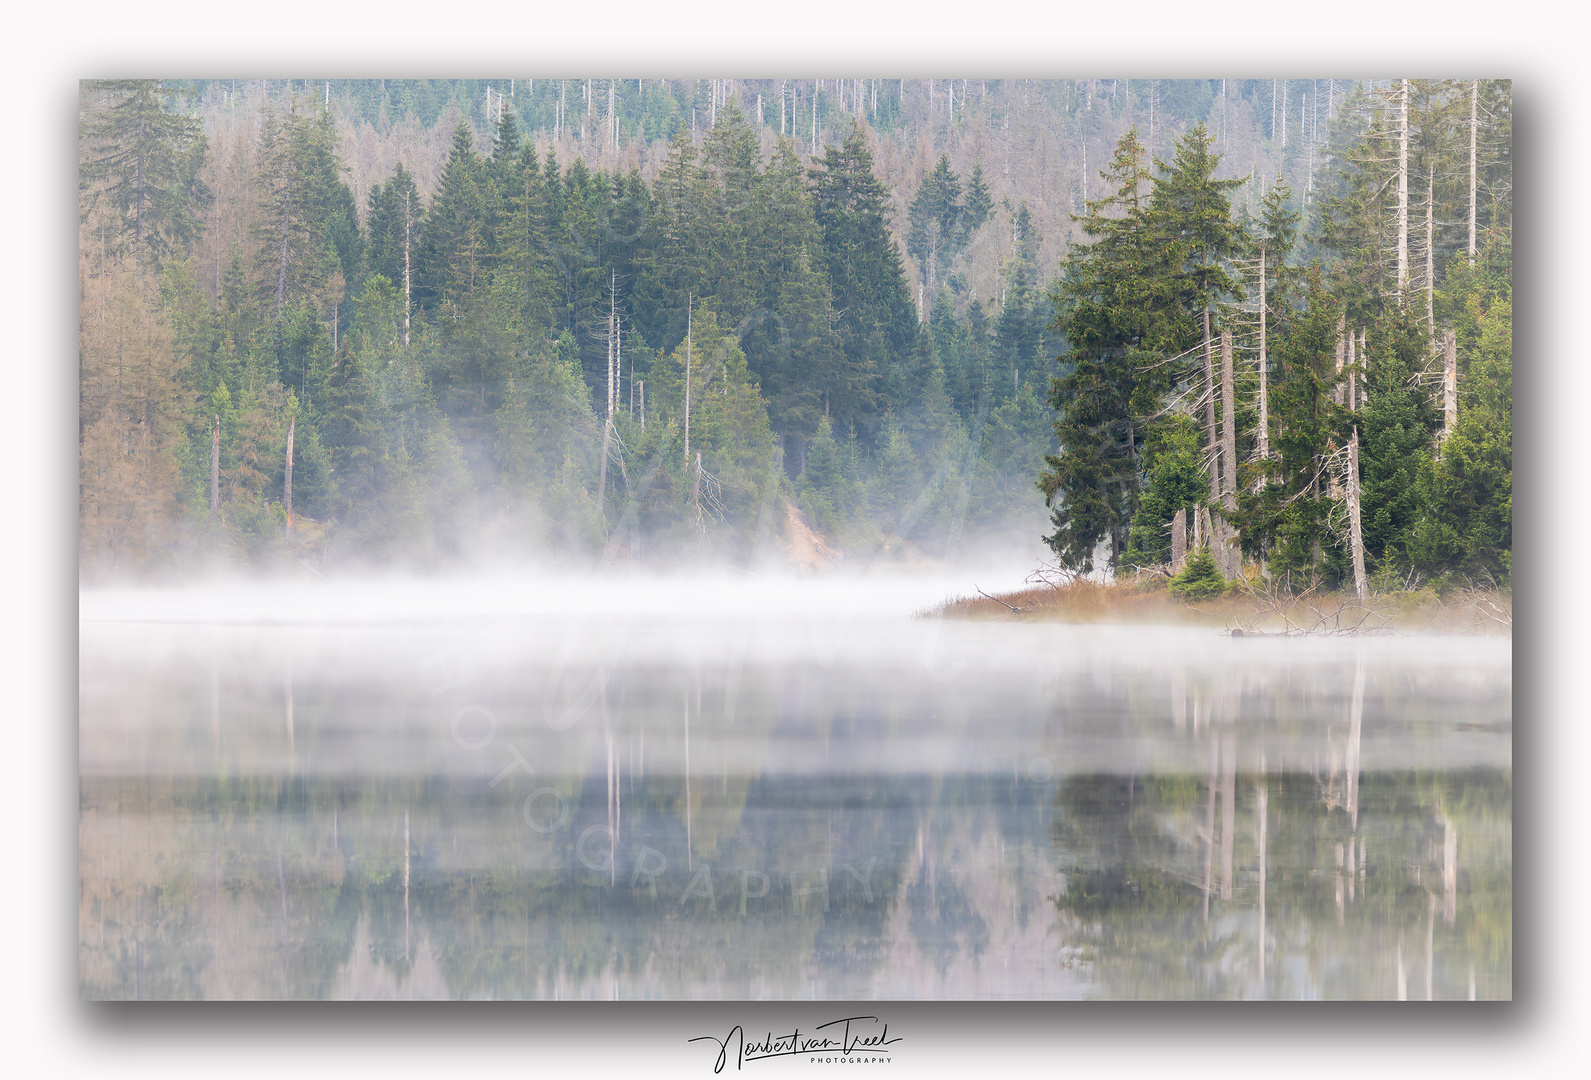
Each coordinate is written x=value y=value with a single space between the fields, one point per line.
x=496 y=313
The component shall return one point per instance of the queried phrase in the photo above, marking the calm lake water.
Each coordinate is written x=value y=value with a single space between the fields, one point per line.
x=749 y=789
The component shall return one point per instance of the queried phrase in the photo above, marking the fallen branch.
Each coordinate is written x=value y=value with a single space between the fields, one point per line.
x=1002 y=603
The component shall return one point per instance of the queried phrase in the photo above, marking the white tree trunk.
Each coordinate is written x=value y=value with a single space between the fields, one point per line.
x=1355 y=535
x=1209 y=413
x=215 y=468
x=1430 y=252
x=1403 y=193
x=1179 y=540
x=287 y=480
x=408 y=222
x=1229 y=556
x=1265 y=408
x=688 y=381
x=1449 y=383
x=1474 y=118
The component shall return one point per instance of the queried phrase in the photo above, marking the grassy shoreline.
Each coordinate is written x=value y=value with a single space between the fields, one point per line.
x=1248 y=609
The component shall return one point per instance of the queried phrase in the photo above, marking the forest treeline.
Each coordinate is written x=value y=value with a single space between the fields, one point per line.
x=1347 y=422
x=529 y=356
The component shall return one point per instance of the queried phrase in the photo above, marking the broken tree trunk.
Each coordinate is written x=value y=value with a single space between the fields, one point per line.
x=1179 y=540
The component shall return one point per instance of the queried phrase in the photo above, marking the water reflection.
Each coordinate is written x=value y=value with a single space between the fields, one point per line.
x=797 y=805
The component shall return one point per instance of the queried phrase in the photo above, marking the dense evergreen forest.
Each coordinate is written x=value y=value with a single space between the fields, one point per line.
x=428 y=324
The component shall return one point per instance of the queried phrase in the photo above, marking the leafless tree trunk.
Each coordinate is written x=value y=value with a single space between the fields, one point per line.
x=1403 y=193
x=1449 y=383
x=1343 y=357
x=408 y=222
x=1430 y=252
x=1229 y=551
x=215 y=468
x=1228 y=425
x=1265 y=407
x=1353 y=386
x=1474 y=118
x=1355 y=536
x=602 y=475
x=287 y=482
x=688 y=301
x=1179 y=540
x=1209 y=414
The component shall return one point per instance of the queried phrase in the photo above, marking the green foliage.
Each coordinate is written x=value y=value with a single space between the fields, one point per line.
x=466 y=414
x=1199 y=579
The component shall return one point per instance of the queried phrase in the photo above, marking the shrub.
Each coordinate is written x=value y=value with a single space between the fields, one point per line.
x=1199 y=579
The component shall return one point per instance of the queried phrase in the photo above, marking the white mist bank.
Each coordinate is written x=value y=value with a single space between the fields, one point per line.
x=884 y=593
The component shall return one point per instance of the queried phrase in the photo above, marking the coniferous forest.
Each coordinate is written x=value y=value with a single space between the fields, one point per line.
x=1220 y=327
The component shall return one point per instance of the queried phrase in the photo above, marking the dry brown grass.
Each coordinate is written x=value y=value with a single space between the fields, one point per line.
x=1250 y=609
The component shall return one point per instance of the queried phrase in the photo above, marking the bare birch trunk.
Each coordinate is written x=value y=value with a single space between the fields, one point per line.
x=287 y=482
x=1356 y=537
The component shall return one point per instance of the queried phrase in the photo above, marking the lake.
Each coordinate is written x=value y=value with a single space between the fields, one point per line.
x=749 y=788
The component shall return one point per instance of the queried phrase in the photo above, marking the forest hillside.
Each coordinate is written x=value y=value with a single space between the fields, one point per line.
x=346 y=323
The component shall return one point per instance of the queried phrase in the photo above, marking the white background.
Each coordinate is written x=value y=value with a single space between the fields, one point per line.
x=50 y=48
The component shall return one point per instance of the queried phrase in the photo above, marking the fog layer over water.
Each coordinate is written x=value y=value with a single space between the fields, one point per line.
x=752 y=787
